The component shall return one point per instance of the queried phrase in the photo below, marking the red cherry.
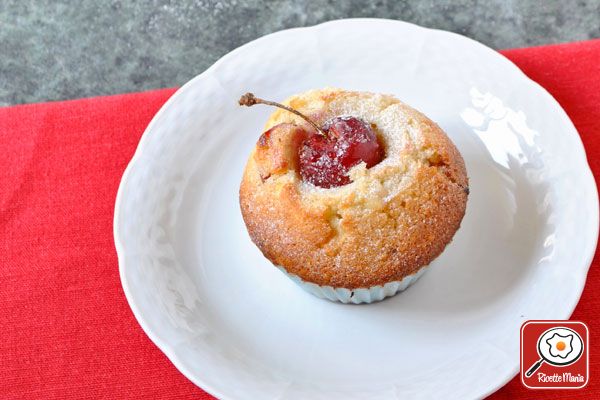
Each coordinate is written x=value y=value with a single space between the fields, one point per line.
x=326 y=160
x=328 y=153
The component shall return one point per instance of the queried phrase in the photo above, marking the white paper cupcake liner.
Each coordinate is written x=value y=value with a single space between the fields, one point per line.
x=356 y=296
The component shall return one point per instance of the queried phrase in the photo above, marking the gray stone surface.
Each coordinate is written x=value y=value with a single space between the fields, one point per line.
x=58 y=49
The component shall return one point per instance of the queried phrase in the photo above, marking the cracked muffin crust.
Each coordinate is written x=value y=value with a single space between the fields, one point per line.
x=390 y=221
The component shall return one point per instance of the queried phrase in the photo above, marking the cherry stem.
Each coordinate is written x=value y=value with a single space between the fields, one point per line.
x=250 y=100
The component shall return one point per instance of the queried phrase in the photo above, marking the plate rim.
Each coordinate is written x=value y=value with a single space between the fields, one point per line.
x=167 y=349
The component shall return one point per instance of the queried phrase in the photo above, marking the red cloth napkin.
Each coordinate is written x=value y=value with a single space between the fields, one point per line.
x=66 y=329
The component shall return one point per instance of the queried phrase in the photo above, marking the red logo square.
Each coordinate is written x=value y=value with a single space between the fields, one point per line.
x=554 y=354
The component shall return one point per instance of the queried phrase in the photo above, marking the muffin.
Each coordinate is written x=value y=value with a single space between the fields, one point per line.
x=352 y=194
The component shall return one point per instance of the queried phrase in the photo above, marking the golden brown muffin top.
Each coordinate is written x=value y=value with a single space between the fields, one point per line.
x=391 y=220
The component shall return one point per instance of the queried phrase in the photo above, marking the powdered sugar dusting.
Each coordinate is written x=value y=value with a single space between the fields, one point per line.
x=392 y=121
x=392 y=218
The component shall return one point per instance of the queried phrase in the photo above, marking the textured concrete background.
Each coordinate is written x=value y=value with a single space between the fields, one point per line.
x=59 y=49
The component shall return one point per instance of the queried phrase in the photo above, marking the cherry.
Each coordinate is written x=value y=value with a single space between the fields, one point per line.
x=325 y=161
x=328 y=153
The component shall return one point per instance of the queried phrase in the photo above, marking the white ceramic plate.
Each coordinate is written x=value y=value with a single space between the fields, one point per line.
x=240 y=329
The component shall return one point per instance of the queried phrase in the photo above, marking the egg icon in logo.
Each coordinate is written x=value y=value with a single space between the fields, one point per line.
x=560 y=346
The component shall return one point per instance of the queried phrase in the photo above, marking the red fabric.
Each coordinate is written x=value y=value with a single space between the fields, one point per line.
x=67 y=331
